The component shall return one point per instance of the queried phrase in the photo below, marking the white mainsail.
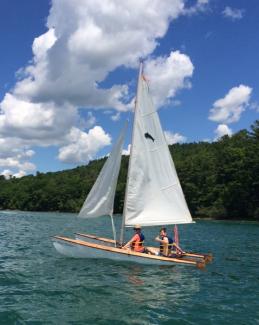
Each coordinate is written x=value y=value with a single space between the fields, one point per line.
x=100 y=200
x=153 y=195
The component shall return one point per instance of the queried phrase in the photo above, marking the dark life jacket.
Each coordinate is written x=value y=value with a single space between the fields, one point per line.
x=170 y=245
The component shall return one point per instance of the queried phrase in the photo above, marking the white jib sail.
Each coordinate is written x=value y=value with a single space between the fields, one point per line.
x=100 y=200
x=154 y=195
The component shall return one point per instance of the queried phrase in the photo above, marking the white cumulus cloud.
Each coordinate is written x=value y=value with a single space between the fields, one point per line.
x=90 y=39
x=7 y=173
x=199 y=6
x=42 y=123
x=85 y=41
x=222 y=130
x=115 y=117
x=255 y=106
x=173 y=138
x=15 y=155
x=83 y=146
x=229 y=109
x=16 y=163
x=233 y=13
x=19 y=174
x=167 y=75
x=91 y=120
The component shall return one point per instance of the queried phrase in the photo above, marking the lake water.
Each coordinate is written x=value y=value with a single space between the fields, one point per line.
x=39 y=286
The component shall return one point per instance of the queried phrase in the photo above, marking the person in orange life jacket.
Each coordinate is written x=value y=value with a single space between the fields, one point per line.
x=168 y=247
x=136 y=242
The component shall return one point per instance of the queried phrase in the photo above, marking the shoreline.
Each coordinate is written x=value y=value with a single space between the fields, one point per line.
x=194 y=218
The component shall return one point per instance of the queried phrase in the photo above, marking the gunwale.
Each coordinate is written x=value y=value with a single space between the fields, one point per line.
x=206 y=256
x=127 y=252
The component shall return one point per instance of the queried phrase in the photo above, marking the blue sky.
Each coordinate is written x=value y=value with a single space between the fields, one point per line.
x=64 y=99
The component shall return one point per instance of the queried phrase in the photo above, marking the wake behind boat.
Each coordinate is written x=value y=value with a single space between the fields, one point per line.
x=153 y=193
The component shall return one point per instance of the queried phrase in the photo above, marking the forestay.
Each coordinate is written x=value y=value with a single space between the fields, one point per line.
x=154 y=195
x=100 y=200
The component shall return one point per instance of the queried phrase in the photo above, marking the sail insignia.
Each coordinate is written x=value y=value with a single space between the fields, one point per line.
x=149 y=136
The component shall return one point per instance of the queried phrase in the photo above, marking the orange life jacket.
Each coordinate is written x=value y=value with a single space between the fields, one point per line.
x=137 y=245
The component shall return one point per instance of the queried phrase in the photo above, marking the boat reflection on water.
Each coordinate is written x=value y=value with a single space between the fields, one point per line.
x=160 y=285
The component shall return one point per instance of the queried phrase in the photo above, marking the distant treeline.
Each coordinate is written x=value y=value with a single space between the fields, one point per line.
x=219 y=179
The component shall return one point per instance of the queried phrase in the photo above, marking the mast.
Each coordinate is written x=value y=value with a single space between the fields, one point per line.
x=113 y=231
x=131 y=149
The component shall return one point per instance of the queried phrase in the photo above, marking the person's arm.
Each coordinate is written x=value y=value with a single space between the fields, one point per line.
x=161 y=240
x=129 y=242
x=127 y=245
x=158 y=239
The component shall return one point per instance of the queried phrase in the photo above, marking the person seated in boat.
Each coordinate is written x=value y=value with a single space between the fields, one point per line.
x=166 y=243
x=168 y=247
x=137 y=241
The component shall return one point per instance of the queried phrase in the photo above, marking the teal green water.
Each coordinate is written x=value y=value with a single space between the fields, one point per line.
x=39 y=286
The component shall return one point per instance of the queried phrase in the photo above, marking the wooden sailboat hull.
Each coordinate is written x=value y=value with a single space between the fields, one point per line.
x=83 y=249
x=110 y=242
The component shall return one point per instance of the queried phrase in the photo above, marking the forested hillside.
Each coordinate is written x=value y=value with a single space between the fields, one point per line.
x=219 y=179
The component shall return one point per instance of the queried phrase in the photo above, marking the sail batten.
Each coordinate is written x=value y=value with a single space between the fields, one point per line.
x=154 y=195
x=100 y=200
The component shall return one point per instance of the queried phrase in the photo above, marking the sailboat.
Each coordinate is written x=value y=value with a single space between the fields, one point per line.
x=153 y=193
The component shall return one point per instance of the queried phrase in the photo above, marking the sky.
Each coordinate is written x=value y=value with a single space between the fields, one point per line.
x=68 y=74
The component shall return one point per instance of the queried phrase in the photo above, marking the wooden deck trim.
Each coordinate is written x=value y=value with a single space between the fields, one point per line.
x=207 y=257
x=106 y=240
